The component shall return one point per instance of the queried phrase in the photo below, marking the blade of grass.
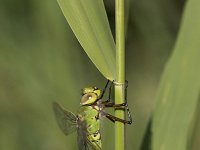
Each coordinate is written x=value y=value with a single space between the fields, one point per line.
x=89 y=23
x=179 y=89
x=195 y=137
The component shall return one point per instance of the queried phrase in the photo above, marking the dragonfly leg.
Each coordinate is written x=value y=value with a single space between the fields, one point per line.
x=109 y=95
x=113 y=119
x=104 y=89
x=119 y=106
x=127 y=108
x=111 y=104
x=109 y=92
x=122 y=105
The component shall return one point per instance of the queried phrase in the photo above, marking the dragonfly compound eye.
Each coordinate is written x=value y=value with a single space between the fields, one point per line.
x=88 y=98
x=98 y=92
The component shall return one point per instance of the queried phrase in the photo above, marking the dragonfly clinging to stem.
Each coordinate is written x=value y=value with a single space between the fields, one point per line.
x=87 y=120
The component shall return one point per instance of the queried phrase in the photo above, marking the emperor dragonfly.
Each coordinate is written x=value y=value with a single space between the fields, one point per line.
x=87 y=121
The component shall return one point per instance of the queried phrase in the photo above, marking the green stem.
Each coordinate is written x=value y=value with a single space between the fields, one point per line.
x=120 y=78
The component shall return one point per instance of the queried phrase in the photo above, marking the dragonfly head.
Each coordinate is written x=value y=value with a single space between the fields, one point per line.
x=90 y=95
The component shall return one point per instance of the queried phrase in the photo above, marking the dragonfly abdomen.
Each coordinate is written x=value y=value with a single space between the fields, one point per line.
x=90 y=118
x=95 y=139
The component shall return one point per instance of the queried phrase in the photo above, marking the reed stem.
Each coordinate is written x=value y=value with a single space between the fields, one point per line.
x=120 y=75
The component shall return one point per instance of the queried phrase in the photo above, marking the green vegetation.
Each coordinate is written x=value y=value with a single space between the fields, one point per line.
x=89 y=23
x=179 y=90
x=120 y=72
x=41 y=61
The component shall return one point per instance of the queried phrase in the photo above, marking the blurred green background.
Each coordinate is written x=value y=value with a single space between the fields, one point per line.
x=41 y=61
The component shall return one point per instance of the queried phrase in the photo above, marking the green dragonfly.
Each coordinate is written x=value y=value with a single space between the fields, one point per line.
x=87 y=121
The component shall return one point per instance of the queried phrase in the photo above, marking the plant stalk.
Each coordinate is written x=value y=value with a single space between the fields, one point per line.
x=120 y=75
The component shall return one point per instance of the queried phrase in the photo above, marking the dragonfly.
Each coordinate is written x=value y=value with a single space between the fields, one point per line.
x=88 y=119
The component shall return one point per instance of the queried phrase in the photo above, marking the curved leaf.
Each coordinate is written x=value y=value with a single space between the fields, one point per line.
x=179 y=89
x=89 y=22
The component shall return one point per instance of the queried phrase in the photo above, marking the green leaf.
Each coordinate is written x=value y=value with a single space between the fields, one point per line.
x=195 y=136
x=180 y=85
x=89 y=22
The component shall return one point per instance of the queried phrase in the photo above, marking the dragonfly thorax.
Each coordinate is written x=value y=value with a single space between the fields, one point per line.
x=90 y=95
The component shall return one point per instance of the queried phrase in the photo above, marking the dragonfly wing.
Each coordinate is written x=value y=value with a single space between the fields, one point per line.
x=82 y=136
x=92 y=146
x=83 y=142
x=66 y=120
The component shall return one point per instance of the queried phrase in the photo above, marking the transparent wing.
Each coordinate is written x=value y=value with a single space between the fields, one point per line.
x=86 y=144
x=82 y=136
x=91 y=146
x=83 y=142
x=66 y=120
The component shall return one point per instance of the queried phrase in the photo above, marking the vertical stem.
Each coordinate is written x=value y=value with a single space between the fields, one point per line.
x=120 y=78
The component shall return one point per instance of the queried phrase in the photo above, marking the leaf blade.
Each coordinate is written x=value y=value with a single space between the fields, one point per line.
x=179 y=89
x=90 y=25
